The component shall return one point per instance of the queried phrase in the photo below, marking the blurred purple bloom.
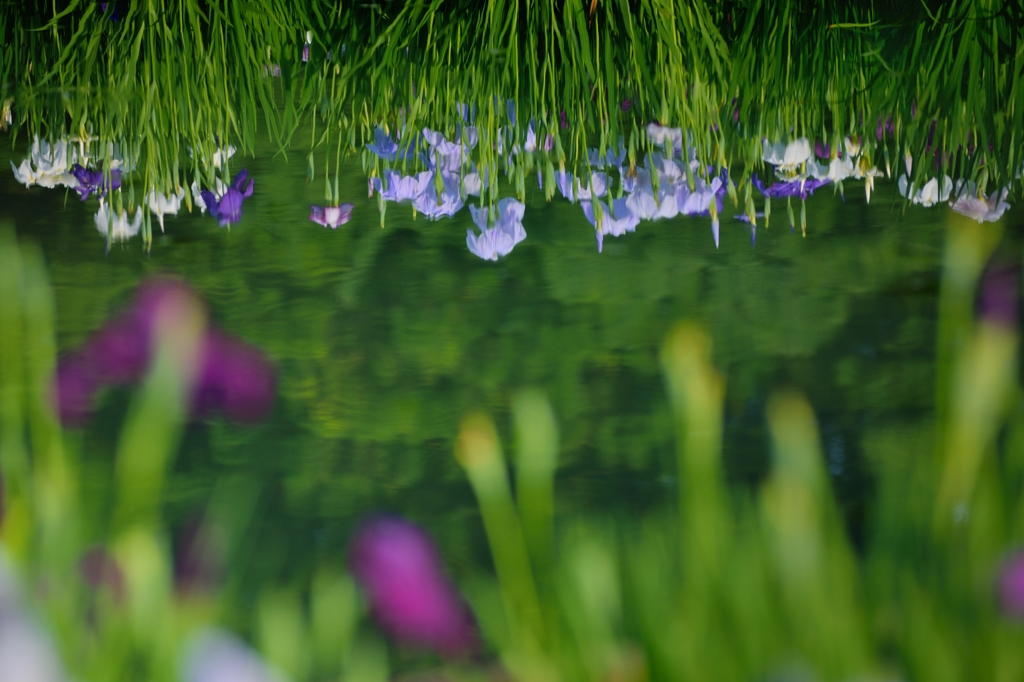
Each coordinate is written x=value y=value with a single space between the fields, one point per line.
x=1010 y=586
x=626 y=104
x=397 y=566
x=228 y=208
x=90 y=181
x=563 y=120
x=998 y=299
x=331 y=216
x=233 y=377
x=822 y=150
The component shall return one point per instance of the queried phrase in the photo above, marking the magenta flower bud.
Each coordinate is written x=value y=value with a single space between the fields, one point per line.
x=397 y=566
x=1010 y=586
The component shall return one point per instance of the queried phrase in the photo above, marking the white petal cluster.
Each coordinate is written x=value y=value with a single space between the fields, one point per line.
x=47 y=165
x=116 y=225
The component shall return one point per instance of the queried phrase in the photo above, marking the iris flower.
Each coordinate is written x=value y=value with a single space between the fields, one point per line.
x=116 y=225
x=786 y=157
x=929 y=195
x=574 y=190
x=331 y=216
x=402 y=187
x=228 y=208
x=973 y=204
x=444 y=205
x=165 y=205
x=793 y=188
x=46 y=165
x=616 y=222
x=90 y=181
x=498 y=239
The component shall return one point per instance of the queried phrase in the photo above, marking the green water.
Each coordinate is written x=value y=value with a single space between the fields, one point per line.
x=384 y=338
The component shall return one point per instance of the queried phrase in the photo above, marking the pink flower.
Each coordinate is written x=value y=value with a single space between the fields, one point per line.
x=331 y=216
x=396 y=564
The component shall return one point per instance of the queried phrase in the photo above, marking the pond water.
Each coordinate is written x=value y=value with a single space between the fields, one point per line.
x=384 y=338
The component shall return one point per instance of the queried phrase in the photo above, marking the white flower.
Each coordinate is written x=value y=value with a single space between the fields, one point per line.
x=972 y=204
x=929 y=195
x=162 y=205
x=47 y=166
x=659 y=135
x=117 y=226
x=786 y=157
x=197 y=195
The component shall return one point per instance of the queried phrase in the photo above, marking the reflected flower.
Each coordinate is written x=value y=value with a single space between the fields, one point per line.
x=331 y=216
x=500 y=238
x=574 y=190
x=90 y=181
x=443 y=205
x=197 y=194
x=47 y=165
x=786 y=157
x=402 y=187
x=929 y=195
x=228 y=208
x=397 y=566
x=659 y=135
x=793 y=188
x=973 y=204
x=219 y=656
x=383 y=146
x=116 y=226
x=616 y=222
x=163 y=205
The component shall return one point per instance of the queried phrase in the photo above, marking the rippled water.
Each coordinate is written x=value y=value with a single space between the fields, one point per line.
x=384 y=338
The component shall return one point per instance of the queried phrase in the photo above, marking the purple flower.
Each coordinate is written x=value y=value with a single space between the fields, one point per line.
x=383 y=146
x=1010 y=586
x=331 y=216
x=219 y=656
x=623 y=220
x=228 y=208
x=443 y=205
x=235 y=379
x=397 y=566
x=402 y=187
x=802 y=188
x=90 y=181
x=884 y=128
x=502 y=237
